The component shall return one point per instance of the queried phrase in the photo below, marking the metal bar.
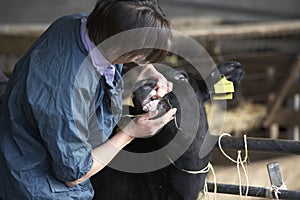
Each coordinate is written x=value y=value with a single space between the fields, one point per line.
x=275 y=174
x=253 y=191
x=262 y=144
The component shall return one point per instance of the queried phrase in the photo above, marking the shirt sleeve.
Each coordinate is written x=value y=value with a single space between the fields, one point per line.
x=64 y=132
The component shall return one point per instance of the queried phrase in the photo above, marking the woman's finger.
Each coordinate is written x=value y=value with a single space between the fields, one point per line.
x=167 y=117
x=169 y=87
x=163 y=88
x=148 y=115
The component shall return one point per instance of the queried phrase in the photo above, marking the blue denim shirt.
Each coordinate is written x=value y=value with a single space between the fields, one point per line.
x=56 y=109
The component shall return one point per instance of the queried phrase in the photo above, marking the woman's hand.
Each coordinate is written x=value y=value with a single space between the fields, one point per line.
x=144 y=126
x=163 y=86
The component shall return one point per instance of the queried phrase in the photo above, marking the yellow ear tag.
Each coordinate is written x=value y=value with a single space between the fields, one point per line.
x=227 y=96
x=223 y=89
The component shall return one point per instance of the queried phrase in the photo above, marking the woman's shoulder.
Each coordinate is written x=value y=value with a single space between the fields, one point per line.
x=69 y=19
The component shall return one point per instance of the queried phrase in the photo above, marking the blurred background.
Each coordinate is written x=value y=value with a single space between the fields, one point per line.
x=231 y=11
x=264 y=35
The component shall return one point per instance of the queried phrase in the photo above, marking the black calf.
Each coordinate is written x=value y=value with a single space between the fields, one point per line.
x=168 y=183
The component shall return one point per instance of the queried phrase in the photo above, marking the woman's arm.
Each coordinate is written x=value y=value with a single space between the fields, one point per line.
x=142 y=126
x=103 y=154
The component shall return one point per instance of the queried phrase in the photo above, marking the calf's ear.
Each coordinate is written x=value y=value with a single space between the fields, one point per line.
x=232 y=70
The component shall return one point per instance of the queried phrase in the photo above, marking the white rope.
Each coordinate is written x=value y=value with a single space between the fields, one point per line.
x=205 y=170
x=239 y=162
x=273 y=191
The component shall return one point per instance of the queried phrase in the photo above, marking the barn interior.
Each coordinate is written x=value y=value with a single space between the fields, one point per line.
x=264 y=36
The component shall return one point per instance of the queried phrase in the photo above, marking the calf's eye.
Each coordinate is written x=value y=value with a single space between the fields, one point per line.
x=180 y=77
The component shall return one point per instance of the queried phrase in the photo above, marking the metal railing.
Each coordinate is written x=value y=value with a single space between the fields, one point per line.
x=260 y=145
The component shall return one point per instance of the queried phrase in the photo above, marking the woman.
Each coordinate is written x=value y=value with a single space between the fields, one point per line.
x=62 y=101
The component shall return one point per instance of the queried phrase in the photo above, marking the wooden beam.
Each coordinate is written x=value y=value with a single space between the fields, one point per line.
x=274 y=28
x=277 y=28
x=287 y=117
x=284 y=90
x=22 y=30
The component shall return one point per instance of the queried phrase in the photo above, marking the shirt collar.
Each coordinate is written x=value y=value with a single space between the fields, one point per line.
x=102 y=65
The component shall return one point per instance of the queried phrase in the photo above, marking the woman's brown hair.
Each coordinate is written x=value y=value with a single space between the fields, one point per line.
x=111 y=17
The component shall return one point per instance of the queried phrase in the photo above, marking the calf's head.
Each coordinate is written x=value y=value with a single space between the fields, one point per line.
x=188 y=96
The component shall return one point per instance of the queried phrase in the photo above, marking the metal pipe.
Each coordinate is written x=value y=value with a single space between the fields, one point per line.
x=262 y=144
x=253 y=191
